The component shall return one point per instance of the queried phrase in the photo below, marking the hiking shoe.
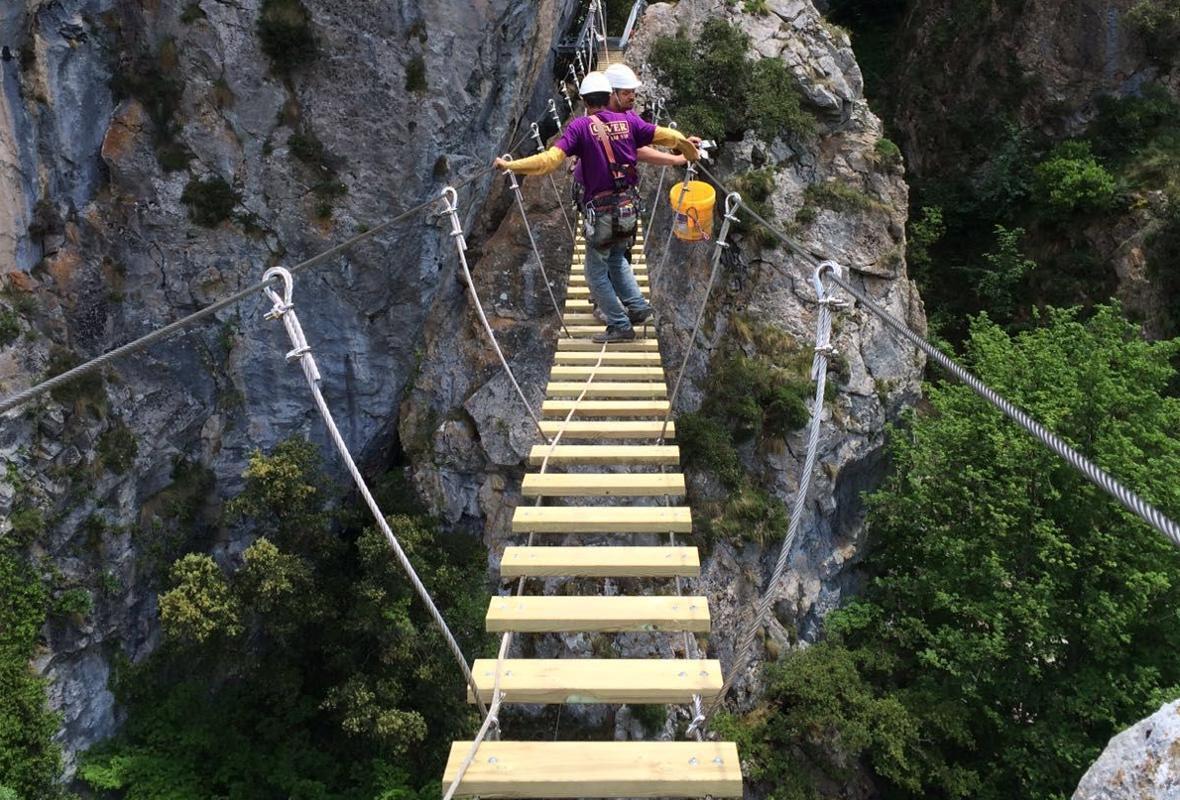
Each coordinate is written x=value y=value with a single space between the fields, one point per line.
x=641 y=316
x=614 y=333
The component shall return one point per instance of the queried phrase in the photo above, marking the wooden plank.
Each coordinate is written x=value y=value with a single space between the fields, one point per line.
x=580 y=318
x=601 y=454
x=595 y=680
x=578 y=270
x=603 y=484
x=597 y=769
x=600 y=562
x=602 y=519
x=584 y=345
x=586 y=429
x=571 y=614
x=606 y=389
x=586 y=331
x=578 y=278
x=626 y=358
x=605 y=408
x=607 y=373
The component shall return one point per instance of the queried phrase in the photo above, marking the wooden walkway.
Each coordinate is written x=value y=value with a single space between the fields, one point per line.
x=616 y=425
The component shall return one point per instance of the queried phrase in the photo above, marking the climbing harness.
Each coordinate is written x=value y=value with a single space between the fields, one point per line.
x=618 y=206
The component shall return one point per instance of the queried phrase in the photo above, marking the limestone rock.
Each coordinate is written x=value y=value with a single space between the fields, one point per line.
x=1141 y=763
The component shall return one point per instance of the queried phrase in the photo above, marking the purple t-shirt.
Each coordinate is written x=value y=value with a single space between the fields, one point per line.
x=627 y=133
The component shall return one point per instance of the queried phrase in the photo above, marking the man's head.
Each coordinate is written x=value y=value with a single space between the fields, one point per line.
x=623 y=84
x=595 y=90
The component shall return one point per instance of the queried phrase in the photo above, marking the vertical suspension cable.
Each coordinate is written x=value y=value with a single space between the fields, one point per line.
x=819 y=373
x=283 y=309
x=536 y=134
x=514 y=184
x=451 y=198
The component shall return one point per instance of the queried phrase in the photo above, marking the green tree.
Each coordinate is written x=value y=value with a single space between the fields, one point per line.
x=200 y=606
x=1016 y=610
x=1005 y=273
x=1071 y=180
x=307 y=668
x=1015 y=616
x=925 y=231
x=29 y=760
x=719 y=92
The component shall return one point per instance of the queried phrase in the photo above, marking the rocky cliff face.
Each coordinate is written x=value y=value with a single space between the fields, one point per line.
x=120 y=124
x=124 y=122
x=471 y=434
x=1036 y=63
x=1141 y=762
x=970 y=74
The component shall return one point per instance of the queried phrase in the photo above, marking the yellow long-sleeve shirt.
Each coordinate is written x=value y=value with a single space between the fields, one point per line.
x=548 y=161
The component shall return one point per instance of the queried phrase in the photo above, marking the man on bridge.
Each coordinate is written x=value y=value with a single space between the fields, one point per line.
x=607 y=142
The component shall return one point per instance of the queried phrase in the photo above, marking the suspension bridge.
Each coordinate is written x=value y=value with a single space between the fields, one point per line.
x=605 y=465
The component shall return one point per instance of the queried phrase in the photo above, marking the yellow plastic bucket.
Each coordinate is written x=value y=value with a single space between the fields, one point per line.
x=694 y=220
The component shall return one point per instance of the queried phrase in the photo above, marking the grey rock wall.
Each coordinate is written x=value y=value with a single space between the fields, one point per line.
x=97 y=247
x=472 y=435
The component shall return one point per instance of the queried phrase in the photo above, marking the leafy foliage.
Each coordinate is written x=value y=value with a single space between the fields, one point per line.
x=9 y=327
x=1163 y=261
x=758 y=385
x=307 y=668
x=306 y=147
x=840 y=197
x=29 y=759
x=1071 y=179
x=156 y=81
x=1007 y=268
x=924 y=232
x=1016 y=617
x=416 y=75
x=117 y=448
x=720 y=93
x=820 y=717
x=210 y=201
x=284 y=31
x=1159 y=22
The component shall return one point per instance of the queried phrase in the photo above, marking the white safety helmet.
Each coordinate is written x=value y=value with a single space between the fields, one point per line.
x=594 y=83
x=622 y=77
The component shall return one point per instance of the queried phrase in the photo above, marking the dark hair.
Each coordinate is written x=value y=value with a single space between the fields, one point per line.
x=596 y=98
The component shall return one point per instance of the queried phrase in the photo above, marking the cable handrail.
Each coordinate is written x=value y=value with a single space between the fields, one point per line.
x=1095 y=474
x=159 y=334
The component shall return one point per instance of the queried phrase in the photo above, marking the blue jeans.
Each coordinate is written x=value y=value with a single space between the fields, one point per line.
x=612 y=283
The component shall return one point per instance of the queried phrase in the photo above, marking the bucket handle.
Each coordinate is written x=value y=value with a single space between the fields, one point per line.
x=694 y=215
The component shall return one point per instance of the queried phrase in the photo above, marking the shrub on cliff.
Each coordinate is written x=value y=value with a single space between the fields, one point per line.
x=30 y=761
x=1071 y=180
x=719 y=92
x=210 y=201
x=284 y=31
